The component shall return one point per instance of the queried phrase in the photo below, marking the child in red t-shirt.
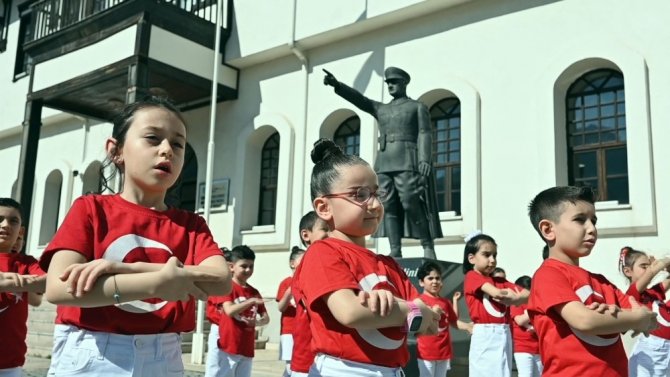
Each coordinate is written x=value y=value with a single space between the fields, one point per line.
x=287 y=307
x=213 y=315
x=241 y=311
x=434 y=352
x=526 y=347
x=126 y=268
x=312 y=229
x=20 y=275
x=488 y=299
x=651 y=354
x=358 y=302
x=576 y=314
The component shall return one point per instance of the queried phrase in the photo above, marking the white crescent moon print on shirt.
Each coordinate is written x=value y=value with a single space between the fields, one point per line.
x=117 y=251
x=373 y=336
x=490 y=308
x=584 y=293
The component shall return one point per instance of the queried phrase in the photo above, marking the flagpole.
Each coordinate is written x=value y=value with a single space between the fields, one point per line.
x=198 y=351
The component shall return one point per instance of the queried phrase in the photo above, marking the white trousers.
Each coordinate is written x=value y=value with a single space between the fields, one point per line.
x=433 y=368
x=60 y=336
x=528 y=364
x=11 y=372
x=91 y=353
x=650 y=357
x=285 y=347
x=328 y=366
x=490 y=351
x=231 y=366
x=212 y=361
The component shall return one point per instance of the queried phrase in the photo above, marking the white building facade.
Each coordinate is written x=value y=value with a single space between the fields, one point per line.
x=524 y=95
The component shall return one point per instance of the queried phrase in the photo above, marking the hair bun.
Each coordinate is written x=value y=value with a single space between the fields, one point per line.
x=325 y=149
x=295 y=249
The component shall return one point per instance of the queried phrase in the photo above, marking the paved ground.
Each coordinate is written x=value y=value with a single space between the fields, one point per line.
x=265 y=365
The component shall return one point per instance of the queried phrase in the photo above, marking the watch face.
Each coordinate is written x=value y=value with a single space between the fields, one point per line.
x=416 y=324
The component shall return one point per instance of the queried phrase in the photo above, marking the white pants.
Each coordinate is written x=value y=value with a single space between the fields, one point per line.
x=231 y=366
x=650 y=357
x=285 y=347
x=528 y=364
x=433 y=368
x=299 y=374
x=212 y=361
x=11 y=372
x=490 y=351
x=90 y=353
x=328 y=366
x=60 y=336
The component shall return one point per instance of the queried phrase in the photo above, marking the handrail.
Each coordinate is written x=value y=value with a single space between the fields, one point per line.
x=52 y=16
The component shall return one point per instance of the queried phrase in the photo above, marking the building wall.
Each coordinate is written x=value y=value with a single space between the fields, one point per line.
x=509 y=63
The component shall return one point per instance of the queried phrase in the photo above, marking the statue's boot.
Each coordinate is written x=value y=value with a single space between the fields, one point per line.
x=428 y=249
x=394 y=234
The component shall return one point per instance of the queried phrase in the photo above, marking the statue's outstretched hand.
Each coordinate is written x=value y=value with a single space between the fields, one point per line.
x=424 y=168
x=329 y=79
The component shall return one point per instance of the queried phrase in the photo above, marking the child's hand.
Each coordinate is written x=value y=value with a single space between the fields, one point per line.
x=647 y=319
x=15 y=280
x=469 y=327
x=658 y=265
x=80 y=278
x=378 y=301
x=431 y=317
x=508 y=296
x=174 y=283
x=457 y=296
x=603 y=308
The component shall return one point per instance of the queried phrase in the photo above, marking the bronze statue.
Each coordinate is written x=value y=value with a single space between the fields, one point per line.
x=403 y=163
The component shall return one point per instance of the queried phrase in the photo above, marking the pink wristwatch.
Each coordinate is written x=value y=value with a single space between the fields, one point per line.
x=414 y=317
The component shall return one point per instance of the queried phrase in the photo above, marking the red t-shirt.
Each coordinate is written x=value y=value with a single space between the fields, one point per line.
x=482 y=308
x=564 y=350
x=288 y=315
x=302 y=357
x=14 y=311
x=213 y=310
x=333 y=264
x=525 y=338
x=109 y=227
x=235 y=336
x=437 y=347
x=654 y=299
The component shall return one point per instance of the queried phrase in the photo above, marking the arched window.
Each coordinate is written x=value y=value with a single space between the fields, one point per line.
x=446 y=120
x=184 y=192
x=596 y=125
x=92 y=179
x=50 y=206
x=267 y=204
x=348 y=135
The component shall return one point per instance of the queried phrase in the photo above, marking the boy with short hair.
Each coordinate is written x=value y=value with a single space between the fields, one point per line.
x=19 y=274
x=241 y=311
x=575 y=312
x=434 y=352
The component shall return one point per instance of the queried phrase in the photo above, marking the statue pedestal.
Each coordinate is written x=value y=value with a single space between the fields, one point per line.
x=452 y=280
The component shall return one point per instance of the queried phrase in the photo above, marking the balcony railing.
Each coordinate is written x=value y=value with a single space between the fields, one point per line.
x=52 y=16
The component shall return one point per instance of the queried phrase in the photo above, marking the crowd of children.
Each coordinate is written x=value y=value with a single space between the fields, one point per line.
x=126 y=286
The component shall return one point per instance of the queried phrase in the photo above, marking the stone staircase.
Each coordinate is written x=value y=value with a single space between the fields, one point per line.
x=41 y=325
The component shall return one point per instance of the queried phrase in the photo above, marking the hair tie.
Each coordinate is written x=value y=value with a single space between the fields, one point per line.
x=472 y=235
x=622 y=256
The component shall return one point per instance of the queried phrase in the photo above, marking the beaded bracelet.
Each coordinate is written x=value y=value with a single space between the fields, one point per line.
x=117 y=296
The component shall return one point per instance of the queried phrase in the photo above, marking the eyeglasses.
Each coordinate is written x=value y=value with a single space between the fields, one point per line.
x=361 y=195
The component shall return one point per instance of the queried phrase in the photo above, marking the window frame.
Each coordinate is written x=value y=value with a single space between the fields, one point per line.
x=453 y=111
x=350 y=127
x=575 y=103
x=271 y=187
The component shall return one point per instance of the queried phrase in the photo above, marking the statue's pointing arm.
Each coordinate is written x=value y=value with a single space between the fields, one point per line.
x=352 y=95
